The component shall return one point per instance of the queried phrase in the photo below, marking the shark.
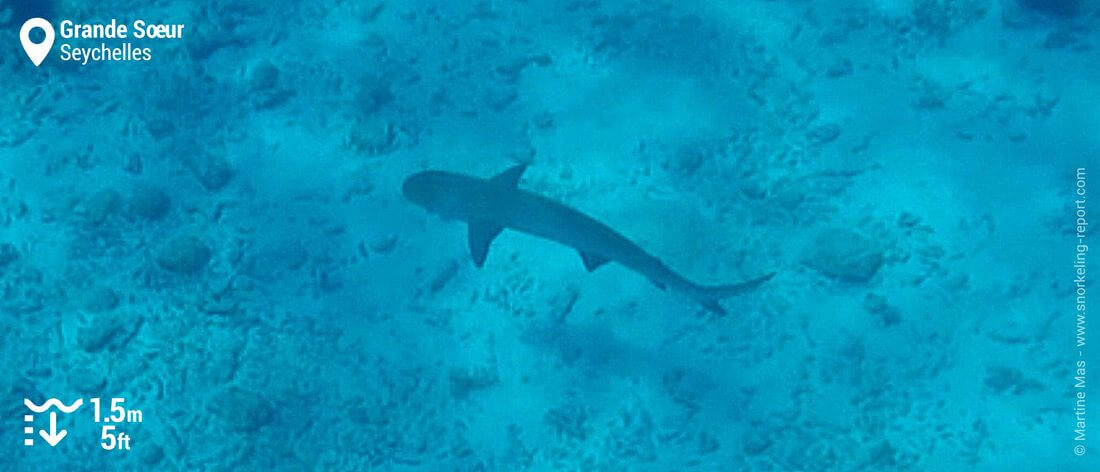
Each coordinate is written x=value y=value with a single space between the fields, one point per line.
x=491 y=205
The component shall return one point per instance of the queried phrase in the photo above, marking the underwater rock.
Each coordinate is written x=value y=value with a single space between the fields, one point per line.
x=708 y=443
x=511 y=69
x=754 y=444
x=908 y=220
x=840 y=68
x=263 y=86
x=543 y=121
x=203 y=46
x=159 y=128
x=939 y=19
x=359 y=183
x=106 y=332
x=101 y=206
x=220 y=307
x=127 y=367
x=212 y=170
x=8 y=254
x=151 y=454
x=1010 y=380
x=843 y=254
x=633 y=434
x=86 y=380
x=263 y=76
x=1054 y=8
x=184 y=255
x=499 y=98
x=374 y=93
x=364 y=415
x=883 y=456
x=269 y=260
x=563 y=301
x=443 y=277
x=466 y=381
x=149 y=203
x=384 y=245
x=98 y=299
x=877 y=305
x=1066 y=38
x=373 y=136
x=14 y=11
x=12 y=209
x=242 y=411
x=823 y=134
x=23 y=291
x=568 y=421
x=686 y=161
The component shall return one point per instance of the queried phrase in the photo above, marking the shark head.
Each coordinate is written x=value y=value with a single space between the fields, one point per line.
x=435 y=191
x=481 y=203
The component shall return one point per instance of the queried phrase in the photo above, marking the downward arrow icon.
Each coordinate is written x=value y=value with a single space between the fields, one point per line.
x=54 y=436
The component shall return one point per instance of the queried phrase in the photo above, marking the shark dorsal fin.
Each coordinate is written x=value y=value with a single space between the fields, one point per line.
x=592 y=261
x=481 y=235
x=510 y=177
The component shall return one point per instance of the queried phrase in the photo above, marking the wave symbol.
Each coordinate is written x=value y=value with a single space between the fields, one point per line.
x=53 y=402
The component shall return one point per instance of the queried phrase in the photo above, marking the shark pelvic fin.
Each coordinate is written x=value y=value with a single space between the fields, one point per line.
x=480 y=235
x=592 y=261
x=510 y=177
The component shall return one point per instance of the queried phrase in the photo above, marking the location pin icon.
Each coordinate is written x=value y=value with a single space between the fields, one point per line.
x=37 y=52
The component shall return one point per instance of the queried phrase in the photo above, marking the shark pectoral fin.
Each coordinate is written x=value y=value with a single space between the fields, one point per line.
x=480 y=235
x=658 y=284
x=592 y=261
x=510 y=177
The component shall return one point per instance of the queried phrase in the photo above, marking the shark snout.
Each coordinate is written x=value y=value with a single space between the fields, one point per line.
x=408 y=187
x=432 y=190
x=417 y=188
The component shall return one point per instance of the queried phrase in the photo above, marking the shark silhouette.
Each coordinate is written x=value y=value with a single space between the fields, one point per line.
x=491 y=205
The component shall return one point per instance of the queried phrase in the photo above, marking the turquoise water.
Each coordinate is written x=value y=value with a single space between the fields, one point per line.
x=217 y=235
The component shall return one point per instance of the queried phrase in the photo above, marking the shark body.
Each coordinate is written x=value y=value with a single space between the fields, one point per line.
x=491 y=205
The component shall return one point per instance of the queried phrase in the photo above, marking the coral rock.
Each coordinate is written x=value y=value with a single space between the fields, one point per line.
x=98 y=299
x=8 y=254
x=149 y=202
x=101 y=206
x=184 y=255
x=843 y=254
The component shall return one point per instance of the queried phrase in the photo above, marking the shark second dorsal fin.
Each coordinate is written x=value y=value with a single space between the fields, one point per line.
x=510 y=177
x=592 y=261
x=480 y=235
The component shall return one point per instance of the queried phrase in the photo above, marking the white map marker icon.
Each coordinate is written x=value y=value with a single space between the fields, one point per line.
x=37 y=52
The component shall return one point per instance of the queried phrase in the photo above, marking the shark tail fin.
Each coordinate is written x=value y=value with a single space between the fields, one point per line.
x=710 y=296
